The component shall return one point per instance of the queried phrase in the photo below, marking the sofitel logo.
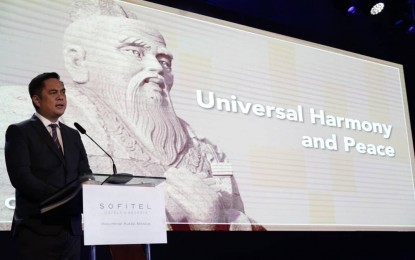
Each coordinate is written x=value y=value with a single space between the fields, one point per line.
x=124 y=206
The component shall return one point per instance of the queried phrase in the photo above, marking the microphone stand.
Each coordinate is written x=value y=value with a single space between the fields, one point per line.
x=92 y=251
x=114 y=168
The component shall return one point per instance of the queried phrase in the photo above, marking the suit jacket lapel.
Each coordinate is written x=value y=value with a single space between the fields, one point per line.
x=45 y=135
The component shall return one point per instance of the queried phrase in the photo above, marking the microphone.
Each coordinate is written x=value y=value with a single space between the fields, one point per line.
x=83 y=131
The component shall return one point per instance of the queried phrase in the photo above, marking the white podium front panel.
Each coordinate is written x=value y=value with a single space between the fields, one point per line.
x=116 y=214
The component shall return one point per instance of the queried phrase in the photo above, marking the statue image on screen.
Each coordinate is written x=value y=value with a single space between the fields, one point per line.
x=251 y=129
x=122 y=75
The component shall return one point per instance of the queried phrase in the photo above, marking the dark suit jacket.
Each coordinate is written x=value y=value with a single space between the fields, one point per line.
x=37 y=170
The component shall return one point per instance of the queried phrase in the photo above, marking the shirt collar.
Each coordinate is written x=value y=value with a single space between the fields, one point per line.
x=46 y=121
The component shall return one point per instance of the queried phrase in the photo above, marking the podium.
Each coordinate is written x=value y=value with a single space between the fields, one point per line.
x=118 y=209
x=123 y=209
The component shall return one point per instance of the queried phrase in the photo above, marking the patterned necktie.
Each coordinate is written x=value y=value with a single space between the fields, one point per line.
x=55 y=136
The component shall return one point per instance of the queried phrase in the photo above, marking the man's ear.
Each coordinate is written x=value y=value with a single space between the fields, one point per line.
x=36 y=100
x=74 y=56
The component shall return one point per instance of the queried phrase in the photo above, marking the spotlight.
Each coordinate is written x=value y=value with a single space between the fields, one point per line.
x=352 y=9
x=349 y=6
x=373 y=7
x=377 y=8
x=411 y=29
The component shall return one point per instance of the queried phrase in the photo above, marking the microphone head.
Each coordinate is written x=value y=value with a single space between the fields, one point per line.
x=80 y=128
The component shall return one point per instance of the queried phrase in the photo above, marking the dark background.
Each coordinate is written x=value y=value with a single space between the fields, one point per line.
x=320 y=21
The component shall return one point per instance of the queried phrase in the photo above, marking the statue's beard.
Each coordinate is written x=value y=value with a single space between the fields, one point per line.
x=159 y=129
x=151 y=117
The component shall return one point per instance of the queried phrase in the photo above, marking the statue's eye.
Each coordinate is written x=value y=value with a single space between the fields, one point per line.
x=136 y=51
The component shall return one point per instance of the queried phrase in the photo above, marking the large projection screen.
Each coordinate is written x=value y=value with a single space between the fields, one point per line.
x=279 y=133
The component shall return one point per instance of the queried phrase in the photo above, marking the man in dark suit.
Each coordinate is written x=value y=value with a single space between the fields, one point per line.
x=42 y=158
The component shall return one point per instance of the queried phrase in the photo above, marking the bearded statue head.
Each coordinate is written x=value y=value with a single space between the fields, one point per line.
x=126 y=64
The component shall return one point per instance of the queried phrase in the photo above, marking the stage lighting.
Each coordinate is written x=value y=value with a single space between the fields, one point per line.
x=377 y=8
x=398 y=15
x=352 y=9
x=411 y=29
x=348 y=6
x=373 y=7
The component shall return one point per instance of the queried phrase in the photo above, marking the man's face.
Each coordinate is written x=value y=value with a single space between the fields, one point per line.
x=127 y=59
x=52 y=100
